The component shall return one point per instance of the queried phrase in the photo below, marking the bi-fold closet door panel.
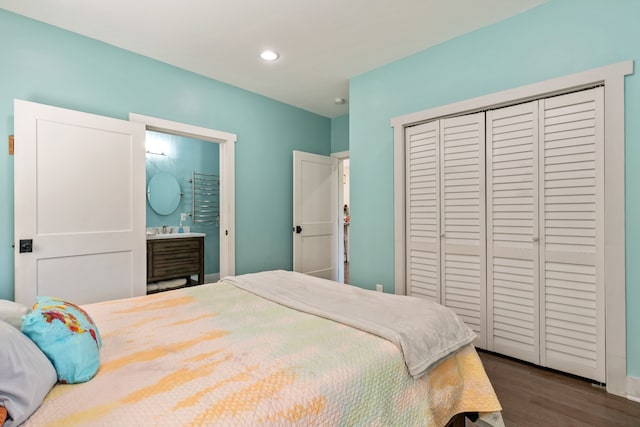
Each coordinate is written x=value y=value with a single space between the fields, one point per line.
x=422 y=210
x=463 y=220
x=572 y=224
x=512 y=232
x=445 y=216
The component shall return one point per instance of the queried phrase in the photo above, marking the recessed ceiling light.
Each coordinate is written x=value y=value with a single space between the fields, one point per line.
x=269 y=55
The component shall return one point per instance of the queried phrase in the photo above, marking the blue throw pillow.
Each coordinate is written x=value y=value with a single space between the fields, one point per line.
x=67 y=335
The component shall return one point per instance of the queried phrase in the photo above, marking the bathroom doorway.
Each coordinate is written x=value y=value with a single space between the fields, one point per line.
x=191 y=205
x=215 y=159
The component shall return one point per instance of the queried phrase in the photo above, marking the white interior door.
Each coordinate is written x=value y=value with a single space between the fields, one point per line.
x=315 y=215
x=80 y=198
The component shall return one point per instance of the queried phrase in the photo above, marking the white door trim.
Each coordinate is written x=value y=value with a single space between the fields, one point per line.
x=227 y=179
x=612 y=76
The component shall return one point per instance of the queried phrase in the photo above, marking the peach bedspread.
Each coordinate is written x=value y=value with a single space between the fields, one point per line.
x=218 y=355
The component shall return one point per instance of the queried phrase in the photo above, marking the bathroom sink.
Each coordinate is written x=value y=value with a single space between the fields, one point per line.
x=174 y=235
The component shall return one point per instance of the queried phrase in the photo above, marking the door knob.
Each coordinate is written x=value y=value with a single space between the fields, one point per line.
x=26 y=246
x=298 y=229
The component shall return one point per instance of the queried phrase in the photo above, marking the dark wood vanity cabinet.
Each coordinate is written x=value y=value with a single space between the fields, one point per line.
x=175 y=258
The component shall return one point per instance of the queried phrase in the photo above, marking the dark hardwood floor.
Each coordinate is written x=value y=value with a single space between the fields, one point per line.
x=532 y=396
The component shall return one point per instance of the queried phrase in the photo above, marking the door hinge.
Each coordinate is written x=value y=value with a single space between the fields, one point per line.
x=11 y=142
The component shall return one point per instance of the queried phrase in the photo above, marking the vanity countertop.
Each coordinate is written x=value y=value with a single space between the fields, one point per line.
x=174 y=235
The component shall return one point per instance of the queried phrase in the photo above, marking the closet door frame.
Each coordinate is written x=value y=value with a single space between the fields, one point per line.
x=612 y=77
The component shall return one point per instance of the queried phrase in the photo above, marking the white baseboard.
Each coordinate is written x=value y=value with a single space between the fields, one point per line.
x=633 y=388
x=211 y=278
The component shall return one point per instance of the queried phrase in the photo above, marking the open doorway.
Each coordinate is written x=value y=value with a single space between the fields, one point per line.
x=189 y=207
x=346 y=217
x=344 y=258
x=224 y=219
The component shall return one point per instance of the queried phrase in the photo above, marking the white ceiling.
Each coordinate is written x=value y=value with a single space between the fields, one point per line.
x=322 y=43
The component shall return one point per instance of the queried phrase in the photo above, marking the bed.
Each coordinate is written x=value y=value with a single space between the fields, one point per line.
x=221 y=354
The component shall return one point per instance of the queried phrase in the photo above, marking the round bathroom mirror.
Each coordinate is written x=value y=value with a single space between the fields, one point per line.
x=164 y=193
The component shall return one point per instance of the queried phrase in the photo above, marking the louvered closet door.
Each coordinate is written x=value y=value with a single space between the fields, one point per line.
x=463 y=219
x=422 y=209
x=572 y=212
x=512 y=231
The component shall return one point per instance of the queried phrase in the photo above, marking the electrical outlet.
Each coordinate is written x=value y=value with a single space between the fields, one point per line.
x=183 y=216
x=379 y=288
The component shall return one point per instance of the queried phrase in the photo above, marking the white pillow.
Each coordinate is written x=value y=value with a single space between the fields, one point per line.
x=26 y=375
x=12 y=312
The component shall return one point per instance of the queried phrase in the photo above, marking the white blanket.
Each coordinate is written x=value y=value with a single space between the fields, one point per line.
x=425 y=331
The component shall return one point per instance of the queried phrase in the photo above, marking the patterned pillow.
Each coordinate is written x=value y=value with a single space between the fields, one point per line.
x=67 y=335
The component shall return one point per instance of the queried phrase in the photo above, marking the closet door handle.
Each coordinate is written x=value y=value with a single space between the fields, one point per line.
x=442 y=235
x=536 y=238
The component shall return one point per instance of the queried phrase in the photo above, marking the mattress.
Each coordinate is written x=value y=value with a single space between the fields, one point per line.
x=218 y=355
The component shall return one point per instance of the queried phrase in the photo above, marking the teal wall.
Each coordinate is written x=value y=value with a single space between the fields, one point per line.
x=558 y=38
x=185 y=155
x=340 y=134
x=47 y=65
